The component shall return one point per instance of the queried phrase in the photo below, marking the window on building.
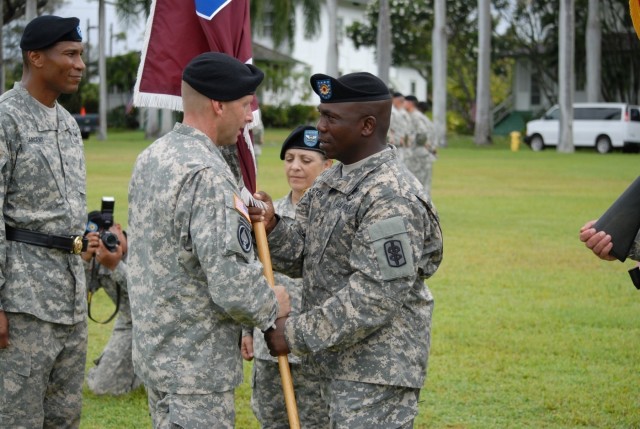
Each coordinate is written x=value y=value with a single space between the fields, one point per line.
x=535 y=92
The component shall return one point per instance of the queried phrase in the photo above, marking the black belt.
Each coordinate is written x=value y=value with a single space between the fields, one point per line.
x=73 y=243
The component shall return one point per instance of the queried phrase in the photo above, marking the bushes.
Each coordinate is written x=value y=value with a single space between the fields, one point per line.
x=288 y=116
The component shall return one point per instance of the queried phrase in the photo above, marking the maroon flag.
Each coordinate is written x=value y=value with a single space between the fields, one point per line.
x=179 y=30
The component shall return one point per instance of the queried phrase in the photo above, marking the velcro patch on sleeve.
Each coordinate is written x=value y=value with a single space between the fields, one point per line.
x=390 y=241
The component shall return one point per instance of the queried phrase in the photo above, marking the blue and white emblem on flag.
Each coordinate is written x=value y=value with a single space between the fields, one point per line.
x=207 y=9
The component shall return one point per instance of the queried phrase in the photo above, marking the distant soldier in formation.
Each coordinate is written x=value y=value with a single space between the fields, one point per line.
x=399 y=126
x=422 y=143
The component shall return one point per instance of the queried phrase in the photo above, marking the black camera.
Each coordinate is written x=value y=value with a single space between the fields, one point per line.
x=101 y=221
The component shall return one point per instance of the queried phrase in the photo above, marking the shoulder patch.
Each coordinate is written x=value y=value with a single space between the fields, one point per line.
x=390 y=242
x=244 y=237
x=395 y=253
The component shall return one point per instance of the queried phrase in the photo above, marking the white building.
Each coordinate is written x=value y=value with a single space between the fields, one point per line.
x=311 y=57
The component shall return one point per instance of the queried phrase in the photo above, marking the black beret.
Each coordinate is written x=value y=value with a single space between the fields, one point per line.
x=303 y=137
x=352 y=87
x=411 y=98
x=221 y=77
x=47 y=30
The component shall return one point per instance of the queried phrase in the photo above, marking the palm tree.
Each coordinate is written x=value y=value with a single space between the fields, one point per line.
x=482 y=134
x=439 y=65
x=566 y=61
x=593 y=51
x=383 y=47
x=333 y=47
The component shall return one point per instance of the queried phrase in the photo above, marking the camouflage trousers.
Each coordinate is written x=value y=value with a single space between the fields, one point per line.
x=267 y=398
x=42 y=373
x=113 y=373
x=420 y=164
x=207 y=411
x=355 y=405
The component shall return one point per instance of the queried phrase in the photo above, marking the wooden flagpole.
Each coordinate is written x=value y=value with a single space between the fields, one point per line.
x=283 y=362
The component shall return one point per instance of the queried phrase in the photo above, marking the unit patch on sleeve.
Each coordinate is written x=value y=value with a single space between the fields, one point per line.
x=395 y=253
x=244 y=237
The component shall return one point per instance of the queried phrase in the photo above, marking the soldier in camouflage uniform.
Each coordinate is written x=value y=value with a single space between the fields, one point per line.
x=399 y=127
x=113 y=373
x=193 y=278
x=365 y=238
x=423 y=147
x=43 y=315
x=303 y=160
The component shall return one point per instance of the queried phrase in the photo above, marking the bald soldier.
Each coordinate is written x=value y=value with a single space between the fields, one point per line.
x=193 y=276
x=364 y=239
x=43 y=321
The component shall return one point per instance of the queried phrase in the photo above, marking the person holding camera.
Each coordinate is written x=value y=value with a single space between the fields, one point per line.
x=105 y=267
x=43 y=312
x=193 y=277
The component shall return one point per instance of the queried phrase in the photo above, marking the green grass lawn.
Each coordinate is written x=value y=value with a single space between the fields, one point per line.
x=530 y=330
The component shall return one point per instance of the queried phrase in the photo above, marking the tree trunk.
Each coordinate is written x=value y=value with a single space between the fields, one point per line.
x=152 y=125
x=483 y=120
x=384 y=41
x=166 y=121
x=30 y=10
x=566 y=62
x=593 y=51
x=332 y=48
x=439 y=66
x=102 y=70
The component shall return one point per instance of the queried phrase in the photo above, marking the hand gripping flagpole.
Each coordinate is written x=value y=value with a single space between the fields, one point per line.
x=283 y=361
x=264 y=254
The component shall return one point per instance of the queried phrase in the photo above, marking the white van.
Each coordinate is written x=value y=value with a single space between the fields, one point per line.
x=601 y=125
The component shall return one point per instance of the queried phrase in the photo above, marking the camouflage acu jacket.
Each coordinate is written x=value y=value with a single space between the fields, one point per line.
x=193 y=277
x=364 y=244
x=43 y=189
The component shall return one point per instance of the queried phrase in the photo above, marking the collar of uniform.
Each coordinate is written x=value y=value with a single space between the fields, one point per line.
x=190 y=131
x=207 y=143
x=348 y=183
x=35 y=109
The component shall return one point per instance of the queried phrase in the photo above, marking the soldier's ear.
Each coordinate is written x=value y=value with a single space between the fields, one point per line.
x=368 y=125
x=36 y=58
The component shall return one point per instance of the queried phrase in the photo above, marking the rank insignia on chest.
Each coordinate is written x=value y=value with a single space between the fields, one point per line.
x=395 y=253
x=241 y=207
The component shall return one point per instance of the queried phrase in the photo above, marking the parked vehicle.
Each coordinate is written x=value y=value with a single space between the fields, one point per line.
x=88 y=123
x=604 y=126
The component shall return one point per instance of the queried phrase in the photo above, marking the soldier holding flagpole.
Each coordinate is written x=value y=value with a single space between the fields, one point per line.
x=194 y=280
